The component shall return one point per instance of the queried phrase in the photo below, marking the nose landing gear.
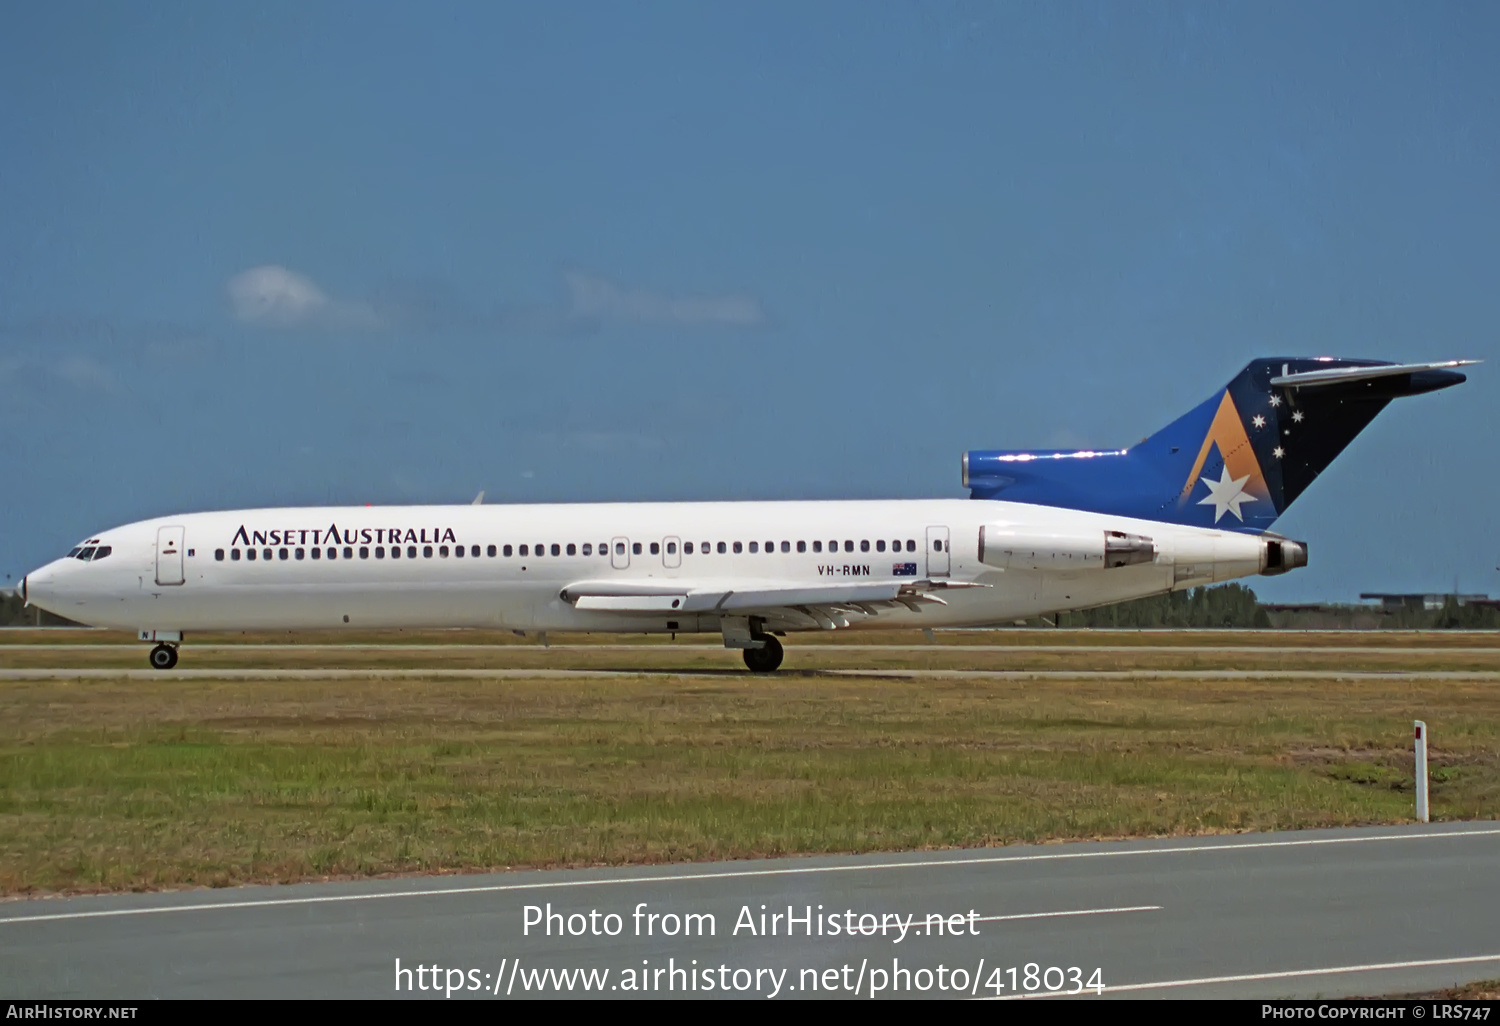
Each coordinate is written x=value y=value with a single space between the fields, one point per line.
x=163 y=657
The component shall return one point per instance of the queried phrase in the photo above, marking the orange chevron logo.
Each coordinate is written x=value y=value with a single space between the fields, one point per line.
x=1241 y=468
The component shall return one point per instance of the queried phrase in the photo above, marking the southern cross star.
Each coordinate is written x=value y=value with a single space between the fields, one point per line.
x=1275 y=400
x=1278 y=452
x=1226 y=495
x=1297 y=416
x=1258 y=421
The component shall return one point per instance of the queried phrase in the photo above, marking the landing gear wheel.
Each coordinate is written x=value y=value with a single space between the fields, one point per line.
x=163 y=657
x=764 y=660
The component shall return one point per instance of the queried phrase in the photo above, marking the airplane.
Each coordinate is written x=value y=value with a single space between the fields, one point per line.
x=1043 y=531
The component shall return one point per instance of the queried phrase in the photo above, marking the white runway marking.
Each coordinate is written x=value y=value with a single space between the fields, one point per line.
x=1197 y=849
x=1287 y=974
x=1061 y=915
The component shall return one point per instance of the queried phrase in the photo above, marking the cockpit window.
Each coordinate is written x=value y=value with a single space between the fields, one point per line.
x=87 y=554
x=102 y=551
x=75 y=550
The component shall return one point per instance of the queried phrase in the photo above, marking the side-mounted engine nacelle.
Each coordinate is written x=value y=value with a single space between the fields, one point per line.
x=1206 y=555
x=1009 y=549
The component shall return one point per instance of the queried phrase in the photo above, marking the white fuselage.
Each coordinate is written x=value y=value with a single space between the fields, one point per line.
x=334 y=567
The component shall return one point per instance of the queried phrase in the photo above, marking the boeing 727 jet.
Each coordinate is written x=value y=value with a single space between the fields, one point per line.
x=1042 y=531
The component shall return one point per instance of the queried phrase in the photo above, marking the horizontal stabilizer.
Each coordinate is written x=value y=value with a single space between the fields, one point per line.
x=1346 y=375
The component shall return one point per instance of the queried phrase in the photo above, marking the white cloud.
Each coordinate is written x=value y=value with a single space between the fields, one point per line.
x=275 y=297
x=85 y=373
x=599 y=298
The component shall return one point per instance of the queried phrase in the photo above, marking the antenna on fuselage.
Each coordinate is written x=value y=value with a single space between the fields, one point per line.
x=478 y=500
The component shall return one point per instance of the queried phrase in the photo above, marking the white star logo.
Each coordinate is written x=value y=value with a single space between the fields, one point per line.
x=1278 y=452
x=1297 y=416
x=1275 y=400
x=1226 y=495
x=1258 y=421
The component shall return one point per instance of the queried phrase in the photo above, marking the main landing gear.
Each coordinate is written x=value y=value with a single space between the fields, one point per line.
x=164 y=657
x=766 y=659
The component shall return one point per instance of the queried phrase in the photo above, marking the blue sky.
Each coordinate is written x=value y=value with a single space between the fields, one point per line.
x=387 y=252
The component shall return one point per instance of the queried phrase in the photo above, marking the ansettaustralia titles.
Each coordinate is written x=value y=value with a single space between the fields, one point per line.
x=332 y=535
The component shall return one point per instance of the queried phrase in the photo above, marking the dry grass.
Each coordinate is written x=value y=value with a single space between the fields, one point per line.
x=108 y=785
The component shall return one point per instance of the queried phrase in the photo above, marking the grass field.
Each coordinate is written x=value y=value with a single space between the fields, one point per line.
x=127 y=784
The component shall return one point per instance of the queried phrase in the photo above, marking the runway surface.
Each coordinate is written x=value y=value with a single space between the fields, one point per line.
x=1337 y=912
x=386 y=673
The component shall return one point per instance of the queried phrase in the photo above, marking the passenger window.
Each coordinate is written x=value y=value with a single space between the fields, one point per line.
x=754 y=547
x=572 y=549
x=506 y=551
x=458 y=551
x=250 y=554
x=556 y=549
x=738 y=547
x=282 y=553
x=316 y=553
x=911 y=546
x=380 y=552
x=265 y=554
x=490 y=551
x=540 y=550
x=301 y=553
x=848 y=545
x=474 y=551
x=426 y=551
x=672 y=548
x=588 y=549
x=619 y=548
x=786 y=546
x=770 y=546
x=364 y=552
x=636 y=548
x=348 y=552
x=937 y=545
x=802 y=546
x=334 y=553
x=864 y=546
x=655 y=549
x=880 y=545
x=721 y=548
x=817 y=546
x=218 y=555
x=443 y=551
x=704 y=548
x=833 y=546
x=395 y=552
x=234 y=555
x=687 y=547
x=411 y=552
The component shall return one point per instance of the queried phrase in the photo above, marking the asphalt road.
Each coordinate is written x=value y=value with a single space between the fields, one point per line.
x=1322 y=913
x=491 y=673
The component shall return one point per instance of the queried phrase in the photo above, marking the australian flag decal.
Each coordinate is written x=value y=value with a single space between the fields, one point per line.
x=904 y=570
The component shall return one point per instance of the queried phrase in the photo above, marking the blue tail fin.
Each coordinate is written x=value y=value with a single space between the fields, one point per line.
x=1236 y=461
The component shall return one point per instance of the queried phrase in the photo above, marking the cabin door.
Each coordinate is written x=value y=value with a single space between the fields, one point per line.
x=938 y=560
x=169 y=555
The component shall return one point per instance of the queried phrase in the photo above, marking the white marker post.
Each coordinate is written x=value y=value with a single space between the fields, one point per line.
x=1421 y=745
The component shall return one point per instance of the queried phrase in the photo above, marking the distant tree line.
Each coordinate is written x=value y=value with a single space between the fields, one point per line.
x=1229 y=605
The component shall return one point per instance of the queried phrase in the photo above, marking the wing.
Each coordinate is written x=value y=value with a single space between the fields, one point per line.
x=789 y=605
